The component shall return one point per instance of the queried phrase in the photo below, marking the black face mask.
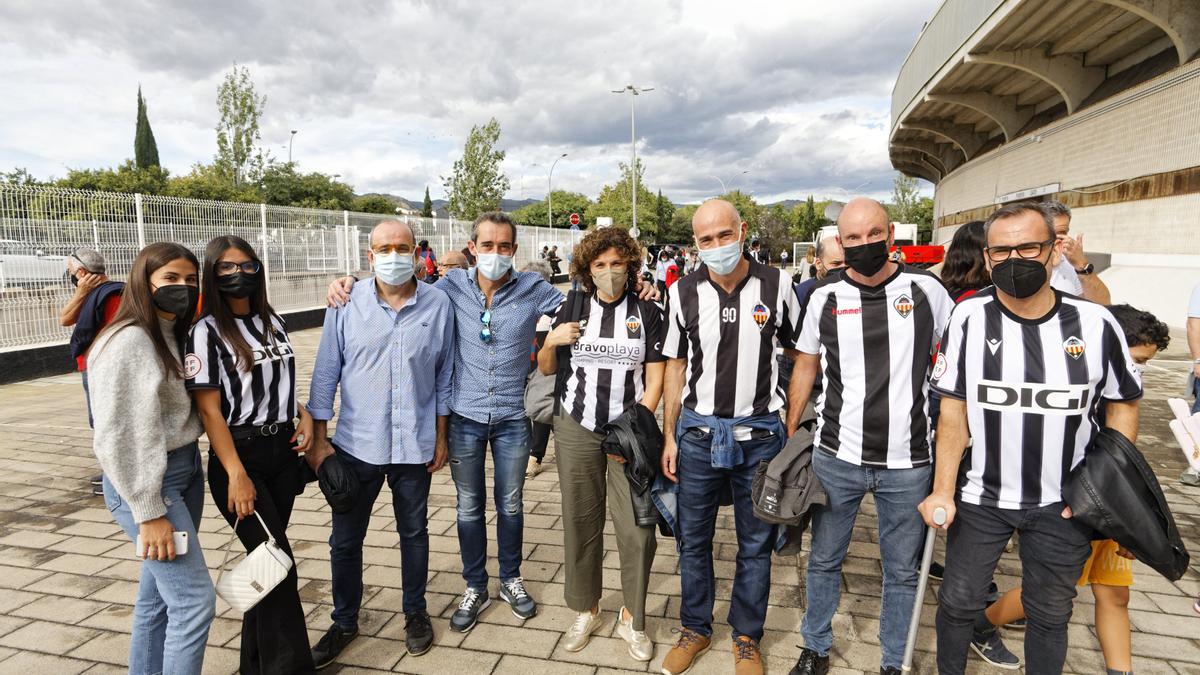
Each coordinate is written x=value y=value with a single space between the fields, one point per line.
x=239 y=284
x=1019 y=277
x=178 y=299
x=867 y=259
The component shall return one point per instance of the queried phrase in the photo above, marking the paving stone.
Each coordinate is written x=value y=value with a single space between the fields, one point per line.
x=60 y=609
x=33 y=662
x=511 y=640
x=44 y=636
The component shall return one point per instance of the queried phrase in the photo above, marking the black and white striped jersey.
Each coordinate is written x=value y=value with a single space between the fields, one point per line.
x=729 y=340
x=1032 y=389
x=876 y=346
x=263 y=394
x=607 y=374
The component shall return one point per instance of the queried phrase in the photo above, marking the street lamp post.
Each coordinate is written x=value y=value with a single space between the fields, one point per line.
x=292 y=138
x=633 y=142
x=550 y=193
x=725 y=190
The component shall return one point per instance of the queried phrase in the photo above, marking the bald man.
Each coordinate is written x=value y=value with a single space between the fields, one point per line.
x=391 y=352
x=874 y=327
x=451 y=260
x=721 y=418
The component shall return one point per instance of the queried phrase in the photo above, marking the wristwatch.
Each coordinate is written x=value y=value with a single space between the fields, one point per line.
x=1086 y=269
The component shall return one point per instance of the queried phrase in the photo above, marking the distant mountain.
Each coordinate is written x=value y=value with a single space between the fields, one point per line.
x=439 y=205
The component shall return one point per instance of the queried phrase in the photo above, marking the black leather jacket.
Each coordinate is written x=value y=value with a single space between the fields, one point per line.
x=1115 y=492
x=636 y=438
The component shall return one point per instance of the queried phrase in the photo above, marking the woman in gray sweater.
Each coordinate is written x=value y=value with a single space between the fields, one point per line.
x=145 y=438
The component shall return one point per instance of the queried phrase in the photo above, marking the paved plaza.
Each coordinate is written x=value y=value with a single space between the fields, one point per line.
x=69 y=577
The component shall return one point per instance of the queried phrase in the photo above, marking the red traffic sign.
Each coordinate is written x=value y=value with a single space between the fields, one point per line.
x=574 y=218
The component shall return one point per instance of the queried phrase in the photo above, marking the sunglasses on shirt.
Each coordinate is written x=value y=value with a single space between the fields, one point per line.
x=485 y=333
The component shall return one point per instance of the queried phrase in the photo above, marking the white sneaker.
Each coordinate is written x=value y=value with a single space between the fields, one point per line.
x=534 y=468
x=581 y=631
x=641 y=647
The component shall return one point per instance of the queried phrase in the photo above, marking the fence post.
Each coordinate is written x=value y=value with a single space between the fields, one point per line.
x=349 y=246
x=265 y=254
x=96 y=234
x=141 y=221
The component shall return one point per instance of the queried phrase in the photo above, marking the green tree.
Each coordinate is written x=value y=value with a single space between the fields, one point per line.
x=373 y=204
x=145 y=150
x=775 y=230
x=565 y=203
x=427 y=205
x=616 y=202
x=239 y=106
x=126 y=178
x=746 y=207
x=281 y=184
x=205 y=181
x=477 y=184
x=808 y=220
x=679 y=230
x=663 y=211
x=908 y=206
x=18 y=176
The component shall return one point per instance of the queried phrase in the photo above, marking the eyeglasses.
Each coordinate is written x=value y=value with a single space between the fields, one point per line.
x=249 y=267
x=1028 y=250
x=485 y=333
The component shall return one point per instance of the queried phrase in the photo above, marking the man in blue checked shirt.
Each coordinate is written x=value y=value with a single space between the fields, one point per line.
x=496 y=311
x=392 y=352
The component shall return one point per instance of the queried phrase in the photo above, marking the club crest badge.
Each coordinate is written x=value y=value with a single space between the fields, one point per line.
x=903 y=306
x=633 y=324
x=761 y=314
x=940 y=366
x=191 y=366
x=1074 y=347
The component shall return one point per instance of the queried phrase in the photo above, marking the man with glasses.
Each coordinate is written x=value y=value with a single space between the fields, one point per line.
x=1074 y=274
x=451 y=260
x=1022 y=371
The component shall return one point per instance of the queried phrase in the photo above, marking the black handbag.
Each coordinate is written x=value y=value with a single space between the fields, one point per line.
x=1114 y=491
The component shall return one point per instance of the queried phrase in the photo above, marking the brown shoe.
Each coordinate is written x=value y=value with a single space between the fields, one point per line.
x=685 y=652
x=746 y=658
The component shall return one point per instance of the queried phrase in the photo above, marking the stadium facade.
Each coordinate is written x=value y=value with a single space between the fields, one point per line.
x=1095 y=103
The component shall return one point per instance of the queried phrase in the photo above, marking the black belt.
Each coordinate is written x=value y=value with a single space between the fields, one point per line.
x=242 y=433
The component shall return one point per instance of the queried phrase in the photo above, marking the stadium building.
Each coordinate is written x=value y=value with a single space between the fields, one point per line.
x=1095 y=103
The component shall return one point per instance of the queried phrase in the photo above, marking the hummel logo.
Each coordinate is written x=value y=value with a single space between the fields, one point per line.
x=993 y=345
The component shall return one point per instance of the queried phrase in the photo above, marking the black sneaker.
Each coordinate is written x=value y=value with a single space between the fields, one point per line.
x=810 y=663
x=513 y=592
x=473 y=602
x=936 y=571
x=418 y=632
x=332 y=643
x=98 y=490
x=98 y=479
x=890 y=670
x=991 y=648
x=1018 y=624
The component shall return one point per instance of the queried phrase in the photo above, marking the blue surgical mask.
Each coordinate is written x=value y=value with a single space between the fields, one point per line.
x=722 y=259
x=394 y=269
x=493 y=265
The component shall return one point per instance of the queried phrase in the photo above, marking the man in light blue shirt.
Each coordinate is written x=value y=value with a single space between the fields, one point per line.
x=392 y=351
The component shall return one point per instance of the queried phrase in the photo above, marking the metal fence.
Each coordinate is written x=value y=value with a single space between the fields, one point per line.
x=302 y=249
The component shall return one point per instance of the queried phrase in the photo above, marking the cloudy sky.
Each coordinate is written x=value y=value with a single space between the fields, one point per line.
x=794 y=94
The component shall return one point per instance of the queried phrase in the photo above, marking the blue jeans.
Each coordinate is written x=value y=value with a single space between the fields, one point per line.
x=901 y=530
x=510 y=441
x=175 y=602
x=1196 y=396
x=700 y=489
x=410 y=501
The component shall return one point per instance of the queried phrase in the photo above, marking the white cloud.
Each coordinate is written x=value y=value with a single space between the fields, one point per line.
x=384 y=93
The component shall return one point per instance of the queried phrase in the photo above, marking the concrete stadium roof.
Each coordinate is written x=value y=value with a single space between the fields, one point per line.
x=984 y=72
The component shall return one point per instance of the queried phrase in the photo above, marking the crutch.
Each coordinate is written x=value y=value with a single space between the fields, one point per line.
x=939 y=519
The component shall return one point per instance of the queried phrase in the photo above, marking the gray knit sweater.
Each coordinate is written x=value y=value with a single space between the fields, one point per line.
x=140 y=413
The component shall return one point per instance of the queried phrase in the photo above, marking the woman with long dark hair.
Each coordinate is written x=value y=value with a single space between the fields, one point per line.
x=241 y=370
x=146 y=430
x=964 y=271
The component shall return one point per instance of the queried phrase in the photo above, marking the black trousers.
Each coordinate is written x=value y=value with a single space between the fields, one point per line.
x=541 y=438
x=274 y=637
x=1053 y=551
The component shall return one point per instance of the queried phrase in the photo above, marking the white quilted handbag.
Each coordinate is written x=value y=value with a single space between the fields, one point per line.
x=256 y=575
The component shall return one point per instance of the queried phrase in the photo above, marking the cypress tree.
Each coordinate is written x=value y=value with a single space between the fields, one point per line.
x=427 y=207
x=145 y=150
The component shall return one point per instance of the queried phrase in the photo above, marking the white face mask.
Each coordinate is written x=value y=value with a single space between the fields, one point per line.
x=394 y=269
x=722 y=259
x=493 y=265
